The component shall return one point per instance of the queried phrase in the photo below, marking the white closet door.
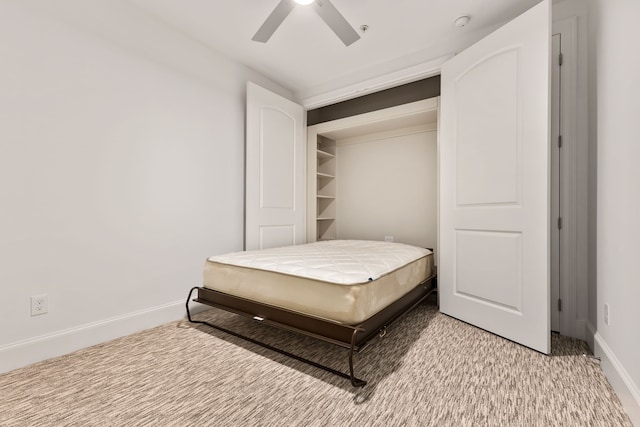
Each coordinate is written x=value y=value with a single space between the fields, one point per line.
x=494 y=182
x=275 y=199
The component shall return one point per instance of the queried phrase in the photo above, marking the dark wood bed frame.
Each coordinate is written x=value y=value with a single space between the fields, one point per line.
x=353 y=337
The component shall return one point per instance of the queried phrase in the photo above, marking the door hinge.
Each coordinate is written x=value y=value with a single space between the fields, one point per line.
x=559 y=304
x=560 y=59
x=559 y=141
x=559 y=223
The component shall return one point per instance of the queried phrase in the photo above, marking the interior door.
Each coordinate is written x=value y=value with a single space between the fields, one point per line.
x=275 y=181
x=494 y=182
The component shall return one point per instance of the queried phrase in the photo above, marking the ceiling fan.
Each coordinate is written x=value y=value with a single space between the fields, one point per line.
x=324 y=8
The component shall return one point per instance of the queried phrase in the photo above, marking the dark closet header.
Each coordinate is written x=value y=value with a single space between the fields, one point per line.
x=410 y=92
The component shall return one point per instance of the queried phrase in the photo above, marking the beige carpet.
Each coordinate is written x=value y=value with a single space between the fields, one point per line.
x=430 y=370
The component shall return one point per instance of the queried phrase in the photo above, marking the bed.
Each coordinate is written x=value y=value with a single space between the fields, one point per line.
x=344 y=292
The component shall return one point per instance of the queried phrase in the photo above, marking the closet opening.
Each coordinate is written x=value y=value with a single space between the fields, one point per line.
x=373 y=176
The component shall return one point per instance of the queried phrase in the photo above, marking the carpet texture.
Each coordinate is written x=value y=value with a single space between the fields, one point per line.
x=430 y=370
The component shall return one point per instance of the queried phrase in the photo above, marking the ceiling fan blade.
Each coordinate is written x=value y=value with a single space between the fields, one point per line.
x=335 y=21
x=273 y=21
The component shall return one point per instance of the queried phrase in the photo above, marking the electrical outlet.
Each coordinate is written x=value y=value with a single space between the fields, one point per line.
x=388 y=238
x=39 y=304
x=606 y=314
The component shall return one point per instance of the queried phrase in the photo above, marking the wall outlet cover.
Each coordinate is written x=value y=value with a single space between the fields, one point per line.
x=39 y=304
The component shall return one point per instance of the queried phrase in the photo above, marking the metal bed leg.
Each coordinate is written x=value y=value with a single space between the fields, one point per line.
x=354 y=381
x=187 y=304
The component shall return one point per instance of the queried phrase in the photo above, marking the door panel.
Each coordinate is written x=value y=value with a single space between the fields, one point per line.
x=273 y=236
x=277 y=149
x=494 y=182
x=488 y=172
x=275 y=171
x=492 y=278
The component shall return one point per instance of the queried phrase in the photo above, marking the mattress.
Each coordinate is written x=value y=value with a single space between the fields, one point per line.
x=344 y=281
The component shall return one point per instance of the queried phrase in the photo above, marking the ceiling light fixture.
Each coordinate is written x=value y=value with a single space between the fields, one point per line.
x=304 y=2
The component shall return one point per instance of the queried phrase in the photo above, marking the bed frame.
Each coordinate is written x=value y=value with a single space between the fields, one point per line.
x=352 y=337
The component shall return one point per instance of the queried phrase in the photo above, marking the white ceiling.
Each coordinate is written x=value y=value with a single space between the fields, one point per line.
x=305 y=57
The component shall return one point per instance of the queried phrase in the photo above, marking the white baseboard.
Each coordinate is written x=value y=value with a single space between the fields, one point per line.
x=27 y=352
x=627 y=391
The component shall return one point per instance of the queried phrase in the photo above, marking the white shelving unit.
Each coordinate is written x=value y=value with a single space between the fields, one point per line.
x=322 y=188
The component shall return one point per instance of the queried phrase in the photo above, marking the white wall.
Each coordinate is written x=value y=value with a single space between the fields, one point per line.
x=614 y=99
x=387 y=187
x=121 y=170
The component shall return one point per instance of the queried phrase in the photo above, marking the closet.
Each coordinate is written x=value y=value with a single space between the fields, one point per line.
x=373 y=176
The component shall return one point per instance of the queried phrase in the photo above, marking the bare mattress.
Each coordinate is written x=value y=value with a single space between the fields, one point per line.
x=344 y=281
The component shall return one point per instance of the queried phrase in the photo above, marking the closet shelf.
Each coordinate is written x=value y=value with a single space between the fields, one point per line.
x=325 y=175
x=325 y=155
